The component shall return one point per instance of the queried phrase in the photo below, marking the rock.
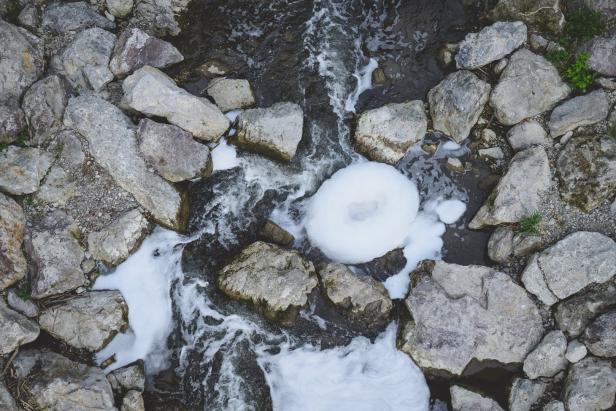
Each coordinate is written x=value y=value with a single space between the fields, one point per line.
x=500 y=66
x=131 y=377
x=528 y=86
x=133 y=401
x=135 y=49
x=275 y=280
x=606 y=83
x=490 y=44
x=84 y=62
x=548 y=358
x=17 y=330
x=575 y=351
x=213 y=68
x=153 y=93
x=538 y=13
x=114 y=243
x=364 y=300
x=88 y=321
x=231 y=94
x=524 y=244
x=467 y=400
x=570 y=265
x=602 y=58
x=526 y=134
x=57 y=383
x=519 y=192
x=172 y=151
x=386 y=133
x=600 y=336
x=456 y=103
x=590 y=385
x=159 y=16
x=605 y=7
x=7 y=402
x=274 y=131
x=500 y=245
x=494 y=153
x=44 y=105
x=119 y=8
x=454 y=164
x=12 y=123
x=22 y=306
x=22 y=169
x=587 y=171
x=73 y=17
x=13 y=266
x=111 y=137
x=462 y=313
x=525 y=393
x=554 y=406
x=579 y=111
x=273 y=233
x=29 y=17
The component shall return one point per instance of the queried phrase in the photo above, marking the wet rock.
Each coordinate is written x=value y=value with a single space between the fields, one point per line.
x=456 y=103
x=57 y=383
x=519 y=192
x=525 y=393
x=231 y=94
x=579 y=111
x=275 y=280
x=172 y=151
x=159 y=16
x=84 y=62
x=16 y=329
x=13 y=265
x=528 y=86
x=527 y=134
x=12 y=123
x=590 y=385
x=490 y=44
x=274 y=131
x=153 y=93
x=386 y=133
x=73 y=17
x=602 y=58
x=131 y=377
x=539 y=13
x=44 y=105
x=135 y=49
x=7 y=402
x=119 y=8
x=587 y=171
x=462 y=313
x=111 y=137
x=114 y=243
x=22 y=306
x=364 y=299
x=575 y=351
x=467 y=400
x=132 y=401
x=575 y=262
x=548 y=358
x=22 y=169
x=500 y=245
x=272 y=232
x=600 y=336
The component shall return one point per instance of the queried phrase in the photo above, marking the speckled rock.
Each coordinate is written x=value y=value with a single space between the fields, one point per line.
x=16 y=329
x=467 y=400
x=132 y=401
x=490 y=44
x=73 y=17
x=119 y=8
x=575 y=351
x=13 y=266
x=579 y=111
x=12 y=123
x=590 y=385
x=500 y=244
x=548 y=358
x=22 y=169
x=600 y=335
x=602 y=58
x=159 y=17
x=231 y=94
x=524 y=394
x=131 y=377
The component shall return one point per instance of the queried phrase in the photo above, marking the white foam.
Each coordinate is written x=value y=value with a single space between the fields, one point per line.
x=364 y=82
x=224 y=156
x=232 y=115
x=450 y=211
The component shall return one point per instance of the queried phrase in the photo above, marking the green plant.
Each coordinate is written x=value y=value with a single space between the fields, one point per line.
x=579 y=74
x=559 y=57
x=530 y=224
x=24 y=292
x=583 y=24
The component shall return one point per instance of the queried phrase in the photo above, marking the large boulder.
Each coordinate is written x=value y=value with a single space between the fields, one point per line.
x=526 y=134
x=72 y=17
x=16 y=329
x=274 y=131
x=600 y=336
x=539 y=13
x=386 y=133
x=13 y=265
x=490 y=44
x=153 y=93
x=579 y=111
x=548 y=358
x=602 y=58
x=590 y=385
x=575 y=262
x=112 y=142
x=528 y=86
x=519 y=192
x=22 y=169
x=462 y=313
x=276 y=281
x=467 y=400
x=43 y=105
x=231 y=94
x=456 y=103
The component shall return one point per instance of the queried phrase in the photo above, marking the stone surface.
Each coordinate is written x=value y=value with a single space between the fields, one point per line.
x=73 y=17
x=590 y=385
x=231 y=94
x=548 y=358
x=575 y=351
x=525 y=393
x=575 y=262
x=528 y=86
x=275 y=280
x=12 y=123
x=540 y=13
x=135 y=49
x=456 y=103
x=554 y=406
x=274 y=131
x=579 y=111
x=21 y=305
x=273 y=233
x=159 y=17
x=132 y=401
x=462 y=313
x=153 y=93
x=7 y=402
x=493 y=153
x=119 y=8
x=524 y=244
x=490 y=44
x=131 y=377
x=500 y=244
x=22 y=169
x=173 y=152
x=602 y=58
x=43 y=105
x=519 y=192
x=16 y=329
x=527 y=134
x=386 y=133
x=13 y=266
x=467 y=400
x=600 y=336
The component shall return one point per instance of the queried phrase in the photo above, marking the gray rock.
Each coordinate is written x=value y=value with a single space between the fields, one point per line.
x=575 y=351
x=119 y=8
x=519 y=192
x=500 y=66
x=525 y=393
x=133 y=401
x=554 y=406
x=548 y=358
x=131 y=377
x=528 y=86
x=587 y=171
x=602 y=58
x=16 y=329
x=605 y=7
x=12 y=123
x=362 y=298
x=7 y=402
x=44 y=105
x=73 y=17
x=112 y=141
x=275 y=280
x=213 y=68
x=22 y=306
x=153 y=93
x=600 y=336
x=579 y=111
x=527 y=134
x=575 y=262
x=539 y=13
x=13 y=266
x=456 y=103
x=524 y=244
x=231 y=94
x=490 y=44
x=114 y=243
x=464 y=313
x=159 y=17
x=500 y=244
x=84 y=62
x=22 y=169
x=135 y=49
x=494 y=153
x=274 y=131
x=273 y=233
x=467 y=400
x=173 y=152
x=590 y=385
x=386 y=133
x=29 y=17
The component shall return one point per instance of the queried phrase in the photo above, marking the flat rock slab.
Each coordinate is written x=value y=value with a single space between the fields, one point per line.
x=22 y=169
x=490 y=44
x=13 y=266
x=579 y=111
x=231 y=94
x=16 y=329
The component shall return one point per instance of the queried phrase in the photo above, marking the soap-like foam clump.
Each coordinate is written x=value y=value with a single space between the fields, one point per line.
x=224 y=156
x=362 y=212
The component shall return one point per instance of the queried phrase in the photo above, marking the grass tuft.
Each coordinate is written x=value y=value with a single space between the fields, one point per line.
x=530 y=224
